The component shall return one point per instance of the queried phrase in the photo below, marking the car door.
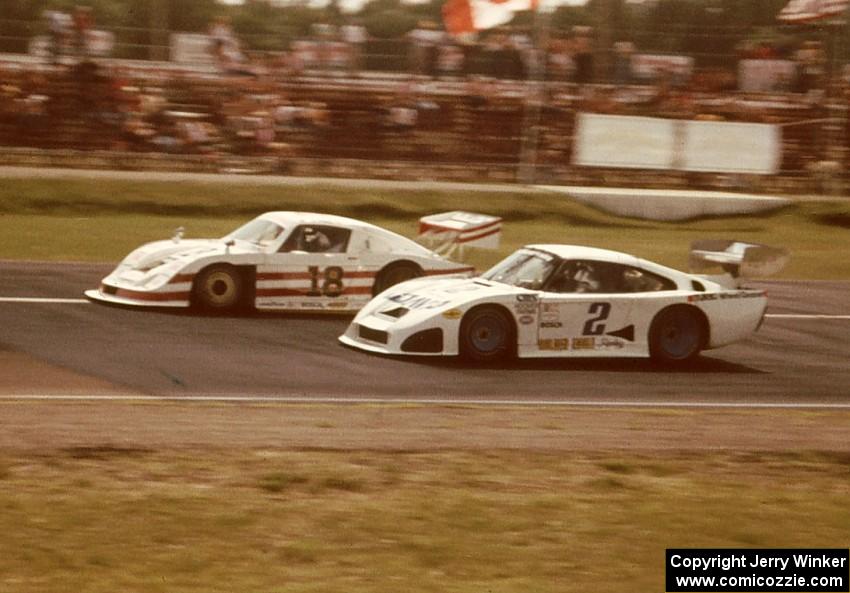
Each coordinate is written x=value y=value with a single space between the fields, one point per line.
x=583 y=312
x=312 y=270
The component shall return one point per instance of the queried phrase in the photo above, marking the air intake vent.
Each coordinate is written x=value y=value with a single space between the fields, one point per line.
x=373 y=335
x=396 y=313
x=428 y=341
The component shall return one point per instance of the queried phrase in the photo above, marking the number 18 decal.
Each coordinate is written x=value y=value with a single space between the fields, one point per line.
x=331 y=281
x=595 y=326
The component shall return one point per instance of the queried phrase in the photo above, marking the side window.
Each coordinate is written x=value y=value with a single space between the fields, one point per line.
x=586 y=276
x=637 y=280
x=317 y=239
x=578 y=276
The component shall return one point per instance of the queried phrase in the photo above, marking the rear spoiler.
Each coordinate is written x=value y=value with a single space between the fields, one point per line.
x=736 y=258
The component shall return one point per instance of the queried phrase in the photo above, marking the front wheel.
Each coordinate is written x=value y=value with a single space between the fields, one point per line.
x=218 y=289
x=486 y=335
x=676 y=335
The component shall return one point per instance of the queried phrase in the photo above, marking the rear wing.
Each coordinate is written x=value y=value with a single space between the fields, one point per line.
x=736 y=258
x=448 y=232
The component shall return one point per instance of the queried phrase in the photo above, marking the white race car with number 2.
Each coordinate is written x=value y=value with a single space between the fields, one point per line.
x=295 y=261
x=570 y=301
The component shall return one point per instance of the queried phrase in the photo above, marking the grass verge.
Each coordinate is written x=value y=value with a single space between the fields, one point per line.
x=99 y=220
x=107 y=519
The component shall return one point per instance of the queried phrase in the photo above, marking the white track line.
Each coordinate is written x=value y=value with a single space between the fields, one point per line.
x=804 y=316
x=42 y=300
x=63 y=301
x=426 y=401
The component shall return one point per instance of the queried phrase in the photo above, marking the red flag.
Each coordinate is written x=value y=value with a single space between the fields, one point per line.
x=804 y=11
x=469 y=16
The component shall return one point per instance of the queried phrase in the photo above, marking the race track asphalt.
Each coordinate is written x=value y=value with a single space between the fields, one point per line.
x=790 y=360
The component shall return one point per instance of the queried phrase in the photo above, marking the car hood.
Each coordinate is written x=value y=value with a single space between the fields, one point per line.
x=424 y=296
x=157 y=253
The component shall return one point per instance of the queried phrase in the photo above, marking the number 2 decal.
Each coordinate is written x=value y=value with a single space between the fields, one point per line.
x=595 y=326
x=331 y=281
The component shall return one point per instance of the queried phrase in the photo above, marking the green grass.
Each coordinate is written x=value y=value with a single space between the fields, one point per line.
x=103 y=220
x=309 y=521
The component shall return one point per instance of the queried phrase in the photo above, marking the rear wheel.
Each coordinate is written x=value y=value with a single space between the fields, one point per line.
x=395 y=274
x=218 y=289
x=486 y=335
x=677 y=334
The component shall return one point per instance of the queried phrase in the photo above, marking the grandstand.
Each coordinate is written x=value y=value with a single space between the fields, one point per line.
x=158 y=115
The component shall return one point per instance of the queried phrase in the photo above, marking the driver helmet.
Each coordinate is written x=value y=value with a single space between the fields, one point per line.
x=310 y=234
x=633 y=279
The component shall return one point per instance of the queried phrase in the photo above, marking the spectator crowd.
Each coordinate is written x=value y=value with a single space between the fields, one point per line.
x=454 y=104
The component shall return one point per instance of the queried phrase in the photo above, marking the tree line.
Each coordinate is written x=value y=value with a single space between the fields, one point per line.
x=711 y=31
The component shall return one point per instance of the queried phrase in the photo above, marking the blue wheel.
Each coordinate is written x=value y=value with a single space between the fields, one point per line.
x=677 y=334
x=486 y=334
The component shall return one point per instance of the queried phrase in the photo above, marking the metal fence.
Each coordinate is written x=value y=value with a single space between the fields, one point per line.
x=463 y=114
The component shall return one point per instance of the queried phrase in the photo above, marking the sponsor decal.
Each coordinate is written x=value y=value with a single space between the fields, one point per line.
x=525 y=308
x=609 y=343
x=722 y=296
x=309 y=305
x=550 y=315
x=526 y=304
x=584 y=343
x=526 y=319
x=415 y=301
x=551 y=324
x=554 y=344
x=337 y=305
x=453 y=314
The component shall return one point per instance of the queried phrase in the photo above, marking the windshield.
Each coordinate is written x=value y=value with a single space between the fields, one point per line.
x=259 y=231
x=528 y=269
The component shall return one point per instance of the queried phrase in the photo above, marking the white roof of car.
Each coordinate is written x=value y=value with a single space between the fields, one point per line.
x=292 y=218
x=398 y=242
x=581 y=252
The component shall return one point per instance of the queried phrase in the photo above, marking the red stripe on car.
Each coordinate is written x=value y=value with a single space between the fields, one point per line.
x=182 y=278
x=467 y=238
x=293 y=292
x=307 y=275
x=138 y=295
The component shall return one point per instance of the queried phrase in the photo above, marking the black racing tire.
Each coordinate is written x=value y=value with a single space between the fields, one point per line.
x=393 y=274
x=487 y=334
x=677 y=334
x=218 y=289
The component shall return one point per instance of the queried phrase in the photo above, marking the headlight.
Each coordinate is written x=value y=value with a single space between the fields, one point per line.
x=155 y=281
x=151 y=265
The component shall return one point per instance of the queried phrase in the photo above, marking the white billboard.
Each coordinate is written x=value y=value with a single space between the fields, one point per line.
x=624 y=141
x=731 y=147
x=191 y=48
x=654 y=143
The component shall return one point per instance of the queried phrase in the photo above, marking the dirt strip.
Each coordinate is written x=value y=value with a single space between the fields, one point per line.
x=30 y=425
x=45 y=425
x=24 y=374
